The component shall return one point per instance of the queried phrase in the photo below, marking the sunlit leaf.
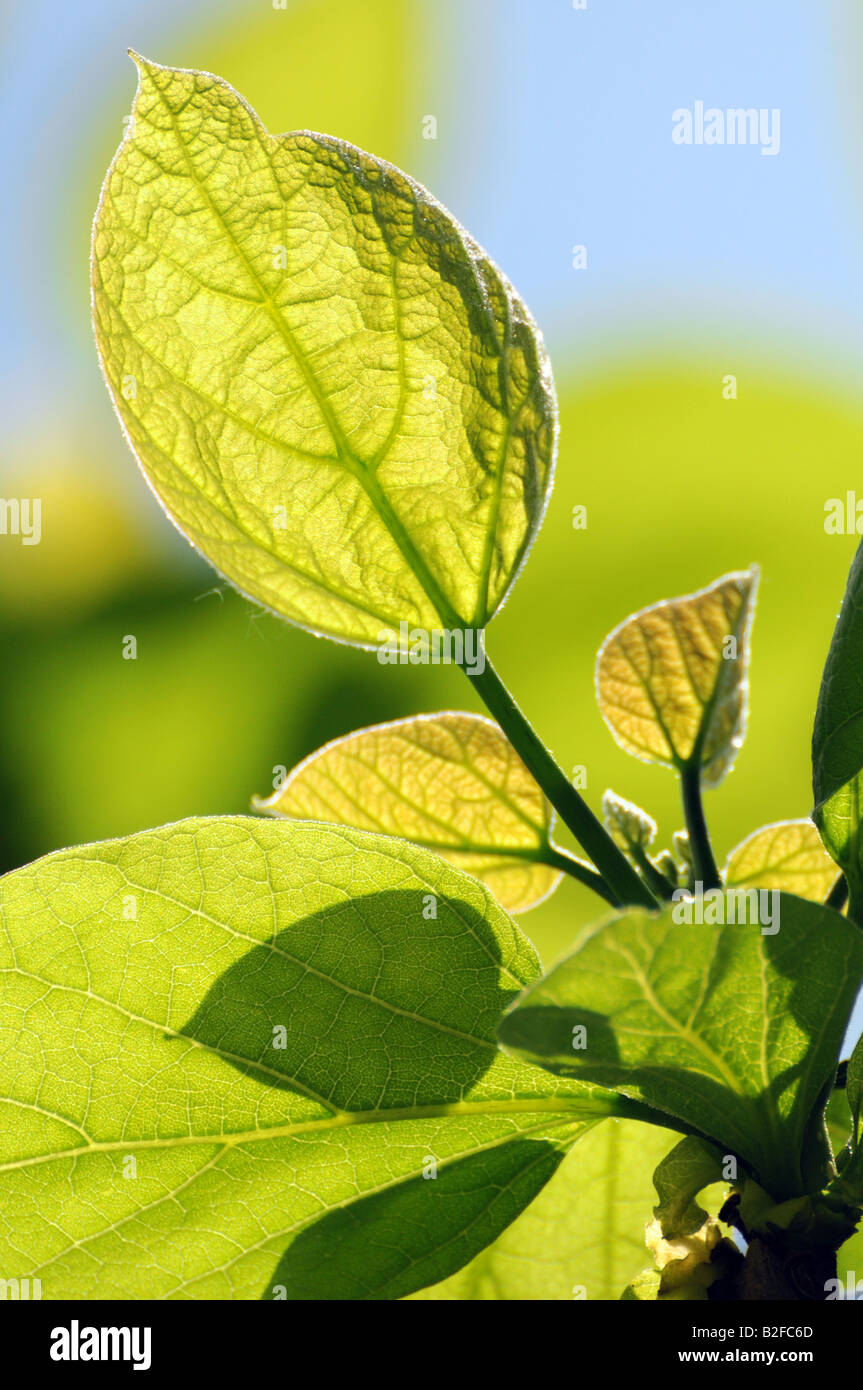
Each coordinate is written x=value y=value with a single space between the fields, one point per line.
x=219 y=1034
x=734 y=1029
x=449 y=781
x=788 y=855
x=583 y=1235
x=627 y=824
x=839 y=823
x=335 y=394
x=671 y=680
x=691 y=1166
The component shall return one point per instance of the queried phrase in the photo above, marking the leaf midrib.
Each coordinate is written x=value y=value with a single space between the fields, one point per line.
x=358 y=467
x=567 y=1107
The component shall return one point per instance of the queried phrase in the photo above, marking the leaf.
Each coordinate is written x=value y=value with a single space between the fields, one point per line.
x=838 y=821
x=691 y=1166
x=451 y=782
x=337 y=397
x=732 y=1031
x=671 y=680
x=837 y=740
x=849 y=1268
x=628 y=825
x=216 y=1034
x=583 y=1236
x=644 y=1288
x=788 y=856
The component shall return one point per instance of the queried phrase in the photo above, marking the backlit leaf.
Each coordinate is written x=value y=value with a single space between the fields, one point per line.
x=334 y=393
x=671 y=680
x=839 y=823
x=788 y=855
x=583 y=1236
x=218 y=1034
x=733 y=1031
x=450 y=781
x=627 y=824
x=691 y=1166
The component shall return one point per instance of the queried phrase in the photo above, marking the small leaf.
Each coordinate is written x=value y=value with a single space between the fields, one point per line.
x=684 y=849
x=691 y=1166
x=219 y=1033
x=582 y=1236
x=732 y=1031
x=451 y=782
x=671 y=680
x=788 y=856
x=336 y=396
x=628 y=825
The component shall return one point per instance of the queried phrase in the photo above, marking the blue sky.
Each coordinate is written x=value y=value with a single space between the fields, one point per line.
x=556 y=131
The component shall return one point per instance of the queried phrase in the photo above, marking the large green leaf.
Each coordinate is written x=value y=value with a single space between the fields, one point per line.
x=216 y=1035
x=450 y=781
x=583 y=1236
x=335 y=394
x=733 y=1031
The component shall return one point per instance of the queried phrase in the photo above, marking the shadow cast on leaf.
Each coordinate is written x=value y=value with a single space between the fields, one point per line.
x=391 y=1243
x=366 y=1004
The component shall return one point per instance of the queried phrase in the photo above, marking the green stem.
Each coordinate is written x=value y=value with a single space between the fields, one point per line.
x=703 y=861
x=618 y=873
x=568 y=864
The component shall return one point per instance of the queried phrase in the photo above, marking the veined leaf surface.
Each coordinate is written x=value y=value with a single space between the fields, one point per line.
x=788 y=856
x=217 y=1034
x=627 y=824
x=732 y=1031
x=683 y=1173
x=449 y=781
x=583 y=1236
x=671 y=680
x=335 y=394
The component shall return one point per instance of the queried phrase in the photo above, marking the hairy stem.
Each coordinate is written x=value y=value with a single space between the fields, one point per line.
x=703 y=862
x=614 y=867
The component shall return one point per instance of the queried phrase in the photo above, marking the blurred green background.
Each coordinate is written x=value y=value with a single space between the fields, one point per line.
x=553 y=130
